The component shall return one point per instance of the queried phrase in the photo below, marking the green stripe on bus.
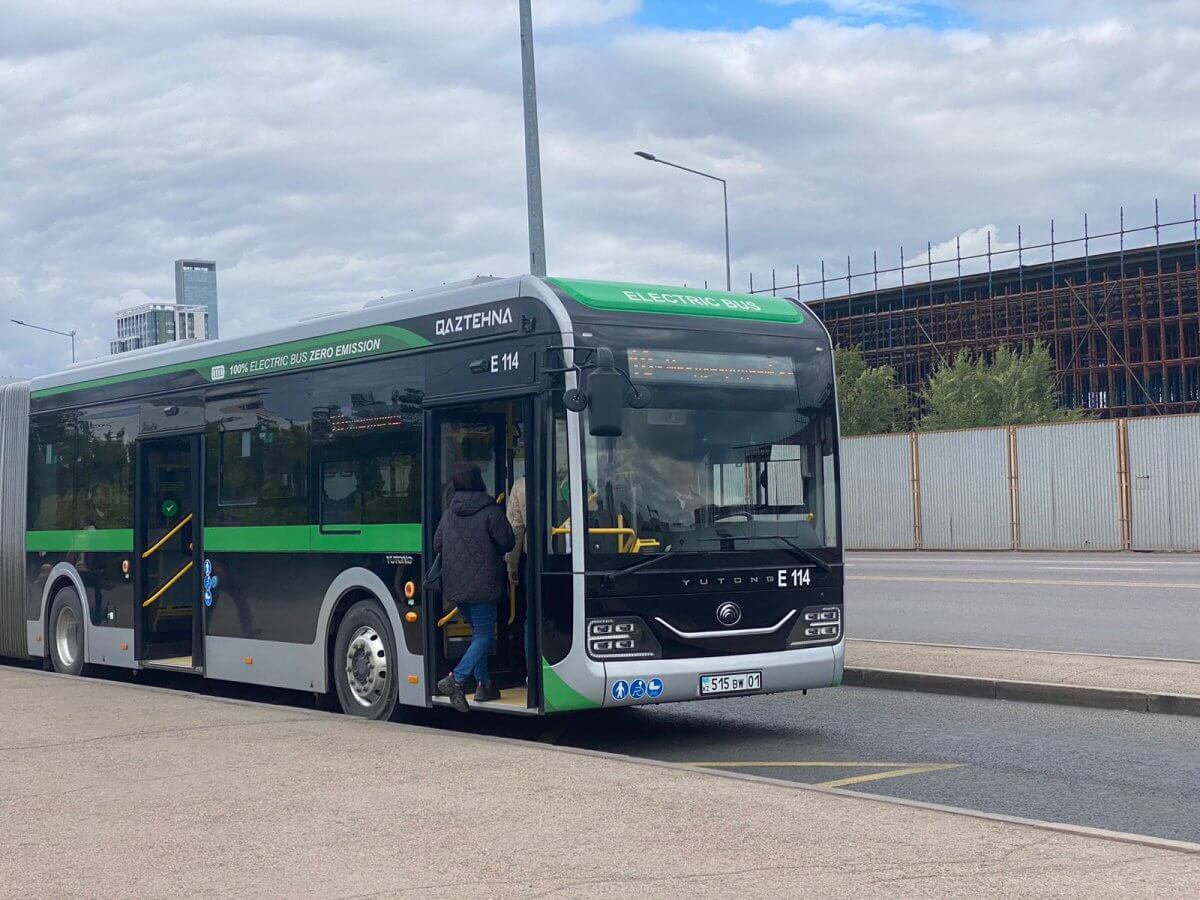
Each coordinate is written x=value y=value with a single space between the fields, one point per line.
x=311 y=539
x=620 y=296
x=342 y=346
x=560 y=696
x=109 y=540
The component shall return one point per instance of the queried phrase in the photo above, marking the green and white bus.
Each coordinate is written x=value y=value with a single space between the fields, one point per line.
x=261 y=509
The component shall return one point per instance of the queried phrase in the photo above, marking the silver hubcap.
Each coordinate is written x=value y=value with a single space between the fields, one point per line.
x=366 y=666
x=66 y=637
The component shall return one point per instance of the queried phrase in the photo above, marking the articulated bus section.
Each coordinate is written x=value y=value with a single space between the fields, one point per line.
x=262 y=509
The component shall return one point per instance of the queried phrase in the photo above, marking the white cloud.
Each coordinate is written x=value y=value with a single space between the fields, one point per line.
x=325 y=158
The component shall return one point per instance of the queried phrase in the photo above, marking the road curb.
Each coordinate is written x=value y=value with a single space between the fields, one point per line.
x=1025 y=691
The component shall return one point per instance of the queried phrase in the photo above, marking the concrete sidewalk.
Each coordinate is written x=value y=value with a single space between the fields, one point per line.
x=1090 y=680
x=111 y=789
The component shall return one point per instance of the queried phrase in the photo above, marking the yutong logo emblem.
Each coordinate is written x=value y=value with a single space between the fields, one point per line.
x=729 y=614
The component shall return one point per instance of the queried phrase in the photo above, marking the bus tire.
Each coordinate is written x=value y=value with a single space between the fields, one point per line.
x=364 y=663
x=66 y=634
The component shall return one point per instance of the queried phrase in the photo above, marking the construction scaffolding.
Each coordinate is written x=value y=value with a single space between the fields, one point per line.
x=1123 y=325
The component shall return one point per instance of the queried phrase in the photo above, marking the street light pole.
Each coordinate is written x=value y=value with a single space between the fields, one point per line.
x=533 y=158
x=724 y=196
x=70 y=334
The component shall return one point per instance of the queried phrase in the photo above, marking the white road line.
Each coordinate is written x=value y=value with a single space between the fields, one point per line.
x=1097 y=568
x=1008 y=559
x=951 y=579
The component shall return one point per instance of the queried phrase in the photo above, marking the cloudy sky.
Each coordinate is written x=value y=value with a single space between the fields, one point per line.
x=327 y=153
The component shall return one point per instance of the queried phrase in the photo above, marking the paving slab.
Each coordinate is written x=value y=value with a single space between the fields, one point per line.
x=110 y=789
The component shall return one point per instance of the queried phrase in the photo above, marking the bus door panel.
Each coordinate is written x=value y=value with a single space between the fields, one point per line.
x=489 y=434
x=167 y=555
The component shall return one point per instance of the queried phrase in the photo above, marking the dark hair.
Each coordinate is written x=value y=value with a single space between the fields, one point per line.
x=467 y=477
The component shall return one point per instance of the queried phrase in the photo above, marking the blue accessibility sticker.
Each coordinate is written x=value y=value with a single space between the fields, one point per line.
x=208 y=598
x=637 y=690
x=208 y=567
x=620 y=690
x=654 y=687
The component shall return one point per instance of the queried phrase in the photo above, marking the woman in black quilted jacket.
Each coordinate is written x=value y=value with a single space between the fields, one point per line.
x=473 y=537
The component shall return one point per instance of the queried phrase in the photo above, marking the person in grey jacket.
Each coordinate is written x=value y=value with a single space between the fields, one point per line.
x=473 y=537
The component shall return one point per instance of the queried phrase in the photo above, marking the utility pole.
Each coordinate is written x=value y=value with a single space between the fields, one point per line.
x=533 y=157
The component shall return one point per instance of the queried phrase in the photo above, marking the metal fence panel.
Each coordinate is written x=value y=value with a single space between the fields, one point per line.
x=964 y=490
x=14 y=435
x=1165 y=479
x=877 y=509
x=1069 y=494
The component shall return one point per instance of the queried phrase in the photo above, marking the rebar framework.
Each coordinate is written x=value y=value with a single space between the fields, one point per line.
x=1123 y=326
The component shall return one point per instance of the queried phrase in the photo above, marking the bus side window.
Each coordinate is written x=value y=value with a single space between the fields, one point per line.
x=558 y=505
x=258 y=455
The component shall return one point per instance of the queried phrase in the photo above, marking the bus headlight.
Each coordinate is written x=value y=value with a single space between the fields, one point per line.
x=621 y=637
x=817 y=625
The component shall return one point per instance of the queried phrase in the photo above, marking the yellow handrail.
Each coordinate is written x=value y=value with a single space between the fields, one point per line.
x=447 y=617
x=166 y=587
x=166 y=537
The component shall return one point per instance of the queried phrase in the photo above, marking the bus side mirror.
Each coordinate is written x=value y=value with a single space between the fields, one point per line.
x=606 y=397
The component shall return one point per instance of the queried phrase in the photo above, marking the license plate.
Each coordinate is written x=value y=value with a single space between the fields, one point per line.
x=733 y=683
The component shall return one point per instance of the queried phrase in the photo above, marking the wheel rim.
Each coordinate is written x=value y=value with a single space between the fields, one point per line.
x=66 y=637
x=366 y=666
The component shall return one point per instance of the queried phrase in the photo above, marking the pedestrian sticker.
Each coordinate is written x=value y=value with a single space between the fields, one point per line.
x=654 y=687
x=620 y=690
x=637 y=690
x=208 y=567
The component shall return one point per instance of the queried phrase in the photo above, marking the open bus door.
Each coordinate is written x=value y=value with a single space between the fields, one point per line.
x=169 y=614
x=492 y=434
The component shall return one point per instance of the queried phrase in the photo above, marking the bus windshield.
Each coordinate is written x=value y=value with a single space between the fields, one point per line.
x=736 y=451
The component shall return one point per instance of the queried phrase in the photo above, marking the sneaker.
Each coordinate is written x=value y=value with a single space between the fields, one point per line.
x=449 y=687
x=486 y=692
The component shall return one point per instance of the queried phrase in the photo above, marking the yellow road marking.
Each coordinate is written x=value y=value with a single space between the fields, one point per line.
x=880 y=776
x=1046 y=581
x=781 y=764
x=891 y=769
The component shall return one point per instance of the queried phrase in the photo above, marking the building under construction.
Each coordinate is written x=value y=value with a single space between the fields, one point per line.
x=1123 y=326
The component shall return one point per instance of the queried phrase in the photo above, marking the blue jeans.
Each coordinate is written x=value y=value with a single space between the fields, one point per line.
x=482 y=619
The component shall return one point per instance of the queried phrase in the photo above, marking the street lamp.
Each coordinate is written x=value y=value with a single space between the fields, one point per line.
x=70 y=334
x=724 y=193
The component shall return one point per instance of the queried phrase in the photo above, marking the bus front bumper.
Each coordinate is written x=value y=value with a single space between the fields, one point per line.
x=668 y=680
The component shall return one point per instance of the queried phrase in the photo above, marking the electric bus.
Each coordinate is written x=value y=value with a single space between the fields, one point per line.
x=261 y=509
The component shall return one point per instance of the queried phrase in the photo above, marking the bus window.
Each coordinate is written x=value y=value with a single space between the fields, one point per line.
x=372 y=490
x=558 y=492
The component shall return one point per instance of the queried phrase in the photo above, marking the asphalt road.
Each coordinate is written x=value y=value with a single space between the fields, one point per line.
x=1124 y=771
x=1123 y=604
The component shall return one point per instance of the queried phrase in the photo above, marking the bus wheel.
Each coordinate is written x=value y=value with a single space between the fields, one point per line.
x=67 y=633
x=364 y=657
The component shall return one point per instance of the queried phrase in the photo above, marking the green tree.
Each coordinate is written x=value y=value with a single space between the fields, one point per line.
x=869 y=399
x=1015 y=388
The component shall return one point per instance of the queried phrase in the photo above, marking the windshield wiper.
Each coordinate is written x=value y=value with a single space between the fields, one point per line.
x=797 y=550
x=611 y=577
